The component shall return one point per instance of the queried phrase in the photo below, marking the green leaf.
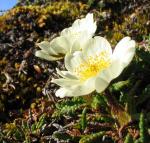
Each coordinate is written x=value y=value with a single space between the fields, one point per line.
x=128 y=139
x=93 y=138
x=83 y=119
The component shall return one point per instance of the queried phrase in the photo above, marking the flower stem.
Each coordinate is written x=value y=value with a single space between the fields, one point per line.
x=117 y=111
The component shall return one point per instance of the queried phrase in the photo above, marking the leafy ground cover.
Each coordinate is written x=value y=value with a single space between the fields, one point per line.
x=29 y=110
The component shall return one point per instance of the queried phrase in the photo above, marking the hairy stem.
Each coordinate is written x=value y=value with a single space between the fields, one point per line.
x=117 y=111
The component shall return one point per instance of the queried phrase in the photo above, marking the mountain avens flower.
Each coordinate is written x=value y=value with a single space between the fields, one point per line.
x=70 y=39
x=94 y=67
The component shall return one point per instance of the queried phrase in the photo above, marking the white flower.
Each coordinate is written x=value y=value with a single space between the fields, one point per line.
x=70 y=39
x=94 y=67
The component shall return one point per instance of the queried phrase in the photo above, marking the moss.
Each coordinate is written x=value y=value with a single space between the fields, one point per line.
x=33 y=16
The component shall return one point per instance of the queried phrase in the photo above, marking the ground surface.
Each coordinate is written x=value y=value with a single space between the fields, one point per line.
x=29 y=110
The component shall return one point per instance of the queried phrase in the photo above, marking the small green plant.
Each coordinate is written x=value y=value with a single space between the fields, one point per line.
x=128 y=139
x=84 y=119
x=68 y=107
x=93 y=138
x=143 y=129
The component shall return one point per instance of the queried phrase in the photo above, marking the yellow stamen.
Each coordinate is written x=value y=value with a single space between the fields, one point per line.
x=93 y=65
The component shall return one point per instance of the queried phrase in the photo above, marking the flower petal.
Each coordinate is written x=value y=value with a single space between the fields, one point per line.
x=45 y=46
x=85 y=24
x=57 y=48
x=103 y=80
x=65 y=82
x=97 y=45
x=73 y=60
x=77 y=90
x=122 y=55
x=80 y=41
x=124 y=50
x=66 y=31
x=62 y=92
x=80 y=25
x=66 y=74
x=62 y=44
x=44 y=55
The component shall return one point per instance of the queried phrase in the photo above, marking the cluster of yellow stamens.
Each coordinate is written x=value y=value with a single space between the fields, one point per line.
x=93 y=65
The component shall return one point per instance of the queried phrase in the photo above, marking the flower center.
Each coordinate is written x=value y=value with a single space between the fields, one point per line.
x=93 y=65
